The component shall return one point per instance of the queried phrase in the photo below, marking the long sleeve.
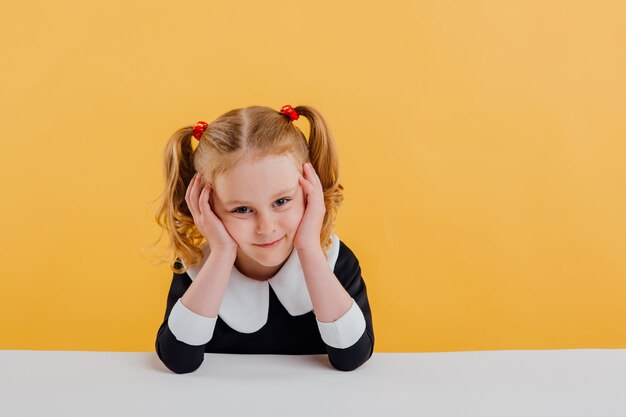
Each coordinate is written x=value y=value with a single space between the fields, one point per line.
x=177 y=355
x=184 y=336
x=350 y=325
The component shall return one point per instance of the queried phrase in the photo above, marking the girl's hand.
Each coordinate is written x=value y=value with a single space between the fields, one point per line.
x=205 y=220
x=309 y=230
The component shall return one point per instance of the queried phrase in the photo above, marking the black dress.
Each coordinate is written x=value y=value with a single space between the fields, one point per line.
x=282 y=333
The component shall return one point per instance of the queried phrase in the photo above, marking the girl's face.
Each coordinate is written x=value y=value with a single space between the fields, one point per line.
x=260 y=201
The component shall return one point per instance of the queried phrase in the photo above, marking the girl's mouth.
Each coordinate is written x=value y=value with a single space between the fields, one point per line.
x=269 y=245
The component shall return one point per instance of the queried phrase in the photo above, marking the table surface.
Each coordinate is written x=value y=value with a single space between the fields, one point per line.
x=579 y=382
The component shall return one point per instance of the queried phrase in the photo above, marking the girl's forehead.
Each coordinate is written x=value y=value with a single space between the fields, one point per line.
x=266 y=167
x=258 y=179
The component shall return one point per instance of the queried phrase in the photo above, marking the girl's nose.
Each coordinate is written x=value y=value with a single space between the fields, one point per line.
x=266 y=224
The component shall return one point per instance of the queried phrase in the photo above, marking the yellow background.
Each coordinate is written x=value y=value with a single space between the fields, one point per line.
x=482 y=147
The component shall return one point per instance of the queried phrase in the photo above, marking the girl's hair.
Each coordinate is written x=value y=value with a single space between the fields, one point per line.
x=256 y=132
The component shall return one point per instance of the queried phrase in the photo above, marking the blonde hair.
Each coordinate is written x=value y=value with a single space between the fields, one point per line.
x=254 y=131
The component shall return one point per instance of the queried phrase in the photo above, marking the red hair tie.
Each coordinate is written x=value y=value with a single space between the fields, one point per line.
x=199 y=129
x=289 y=111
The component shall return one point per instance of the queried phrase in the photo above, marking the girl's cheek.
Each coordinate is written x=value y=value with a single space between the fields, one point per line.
x=237 y=226
x=229 y=224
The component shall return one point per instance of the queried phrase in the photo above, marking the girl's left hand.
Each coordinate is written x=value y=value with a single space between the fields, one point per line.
x=309 y=230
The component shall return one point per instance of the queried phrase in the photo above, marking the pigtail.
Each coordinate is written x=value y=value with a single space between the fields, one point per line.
x=324 y=157
x=173 y=214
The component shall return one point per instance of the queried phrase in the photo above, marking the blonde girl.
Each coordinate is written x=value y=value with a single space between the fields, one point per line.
x=256 y=266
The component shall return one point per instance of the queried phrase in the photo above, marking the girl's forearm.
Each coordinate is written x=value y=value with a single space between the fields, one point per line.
x=330 y=300
x=204 y=295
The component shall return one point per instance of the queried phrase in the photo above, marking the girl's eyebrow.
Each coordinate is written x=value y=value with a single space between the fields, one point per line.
x=286 y=192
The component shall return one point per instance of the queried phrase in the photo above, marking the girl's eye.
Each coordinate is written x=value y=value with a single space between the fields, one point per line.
x=246 y=208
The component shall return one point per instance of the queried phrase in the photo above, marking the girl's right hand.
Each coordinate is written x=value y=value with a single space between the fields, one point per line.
x=205 y=220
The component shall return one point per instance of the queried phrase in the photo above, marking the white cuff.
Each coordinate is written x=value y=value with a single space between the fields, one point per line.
x=189 y=327
x=346 y=330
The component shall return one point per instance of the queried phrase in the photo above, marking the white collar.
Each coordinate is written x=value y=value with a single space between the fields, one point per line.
x=245 y=305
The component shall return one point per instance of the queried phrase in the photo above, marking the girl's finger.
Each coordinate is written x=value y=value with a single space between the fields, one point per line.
x=304 y=190
x=304 y=183
x=316 y=177
x=207 y=198
x=193 y=196
x=202 y=200
x=312 y=175
x=187 y=194
x=309 y=189
x=304 y=170
x=207 y=194
x=311 y=178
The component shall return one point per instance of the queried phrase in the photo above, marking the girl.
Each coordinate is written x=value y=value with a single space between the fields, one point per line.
x=257 y=269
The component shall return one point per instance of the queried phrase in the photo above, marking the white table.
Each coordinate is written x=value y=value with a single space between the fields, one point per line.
x=584 y=382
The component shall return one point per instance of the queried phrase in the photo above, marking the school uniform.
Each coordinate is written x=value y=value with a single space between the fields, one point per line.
x=269 y=317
